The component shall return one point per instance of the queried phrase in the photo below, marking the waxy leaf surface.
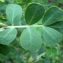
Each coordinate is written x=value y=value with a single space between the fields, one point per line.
x=51 y=36
x=14 y=13
x=7 y=36
x=30 y=39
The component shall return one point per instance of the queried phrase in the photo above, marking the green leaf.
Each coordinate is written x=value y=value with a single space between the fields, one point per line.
x=7 y=36
x=61 y=19
x=14 y=13
x=58 y=26
x=25 y=1
x=52 y=15
x=10 y=1
x=51 y=36
x=30 y=39
x=51 y=52
x=34 y=13
x=4 y=50
x=60 y=30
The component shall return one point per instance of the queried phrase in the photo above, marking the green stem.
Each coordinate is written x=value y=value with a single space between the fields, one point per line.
x=23 y=26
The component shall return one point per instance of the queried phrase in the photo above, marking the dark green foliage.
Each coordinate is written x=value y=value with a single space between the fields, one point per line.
x=4 y=50
x=34 y=13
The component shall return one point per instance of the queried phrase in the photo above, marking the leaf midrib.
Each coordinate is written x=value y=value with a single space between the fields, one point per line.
x=34 y=14
x=45 y=22
x=49 y=34
x=8 y=33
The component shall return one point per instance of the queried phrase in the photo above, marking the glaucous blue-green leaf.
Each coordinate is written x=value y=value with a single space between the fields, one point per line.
x=34 y=13
x=52 y=15
x=30 y=39
x=14 y=13
x=7 y=36
x=4 y=50
x=51 y=36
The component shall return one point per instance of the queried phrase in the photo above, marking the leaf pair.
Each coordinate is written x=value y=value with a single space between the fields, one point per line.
x=13 y=13
x=51 y=36
x=35 y=12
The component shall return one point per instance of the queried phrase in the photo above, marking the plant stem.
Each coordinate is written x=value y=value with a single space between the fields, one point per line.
x=23 y=26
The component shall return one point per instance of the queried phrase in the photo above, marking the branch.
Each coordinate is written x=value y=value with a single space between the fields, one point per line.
x=23 y=26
